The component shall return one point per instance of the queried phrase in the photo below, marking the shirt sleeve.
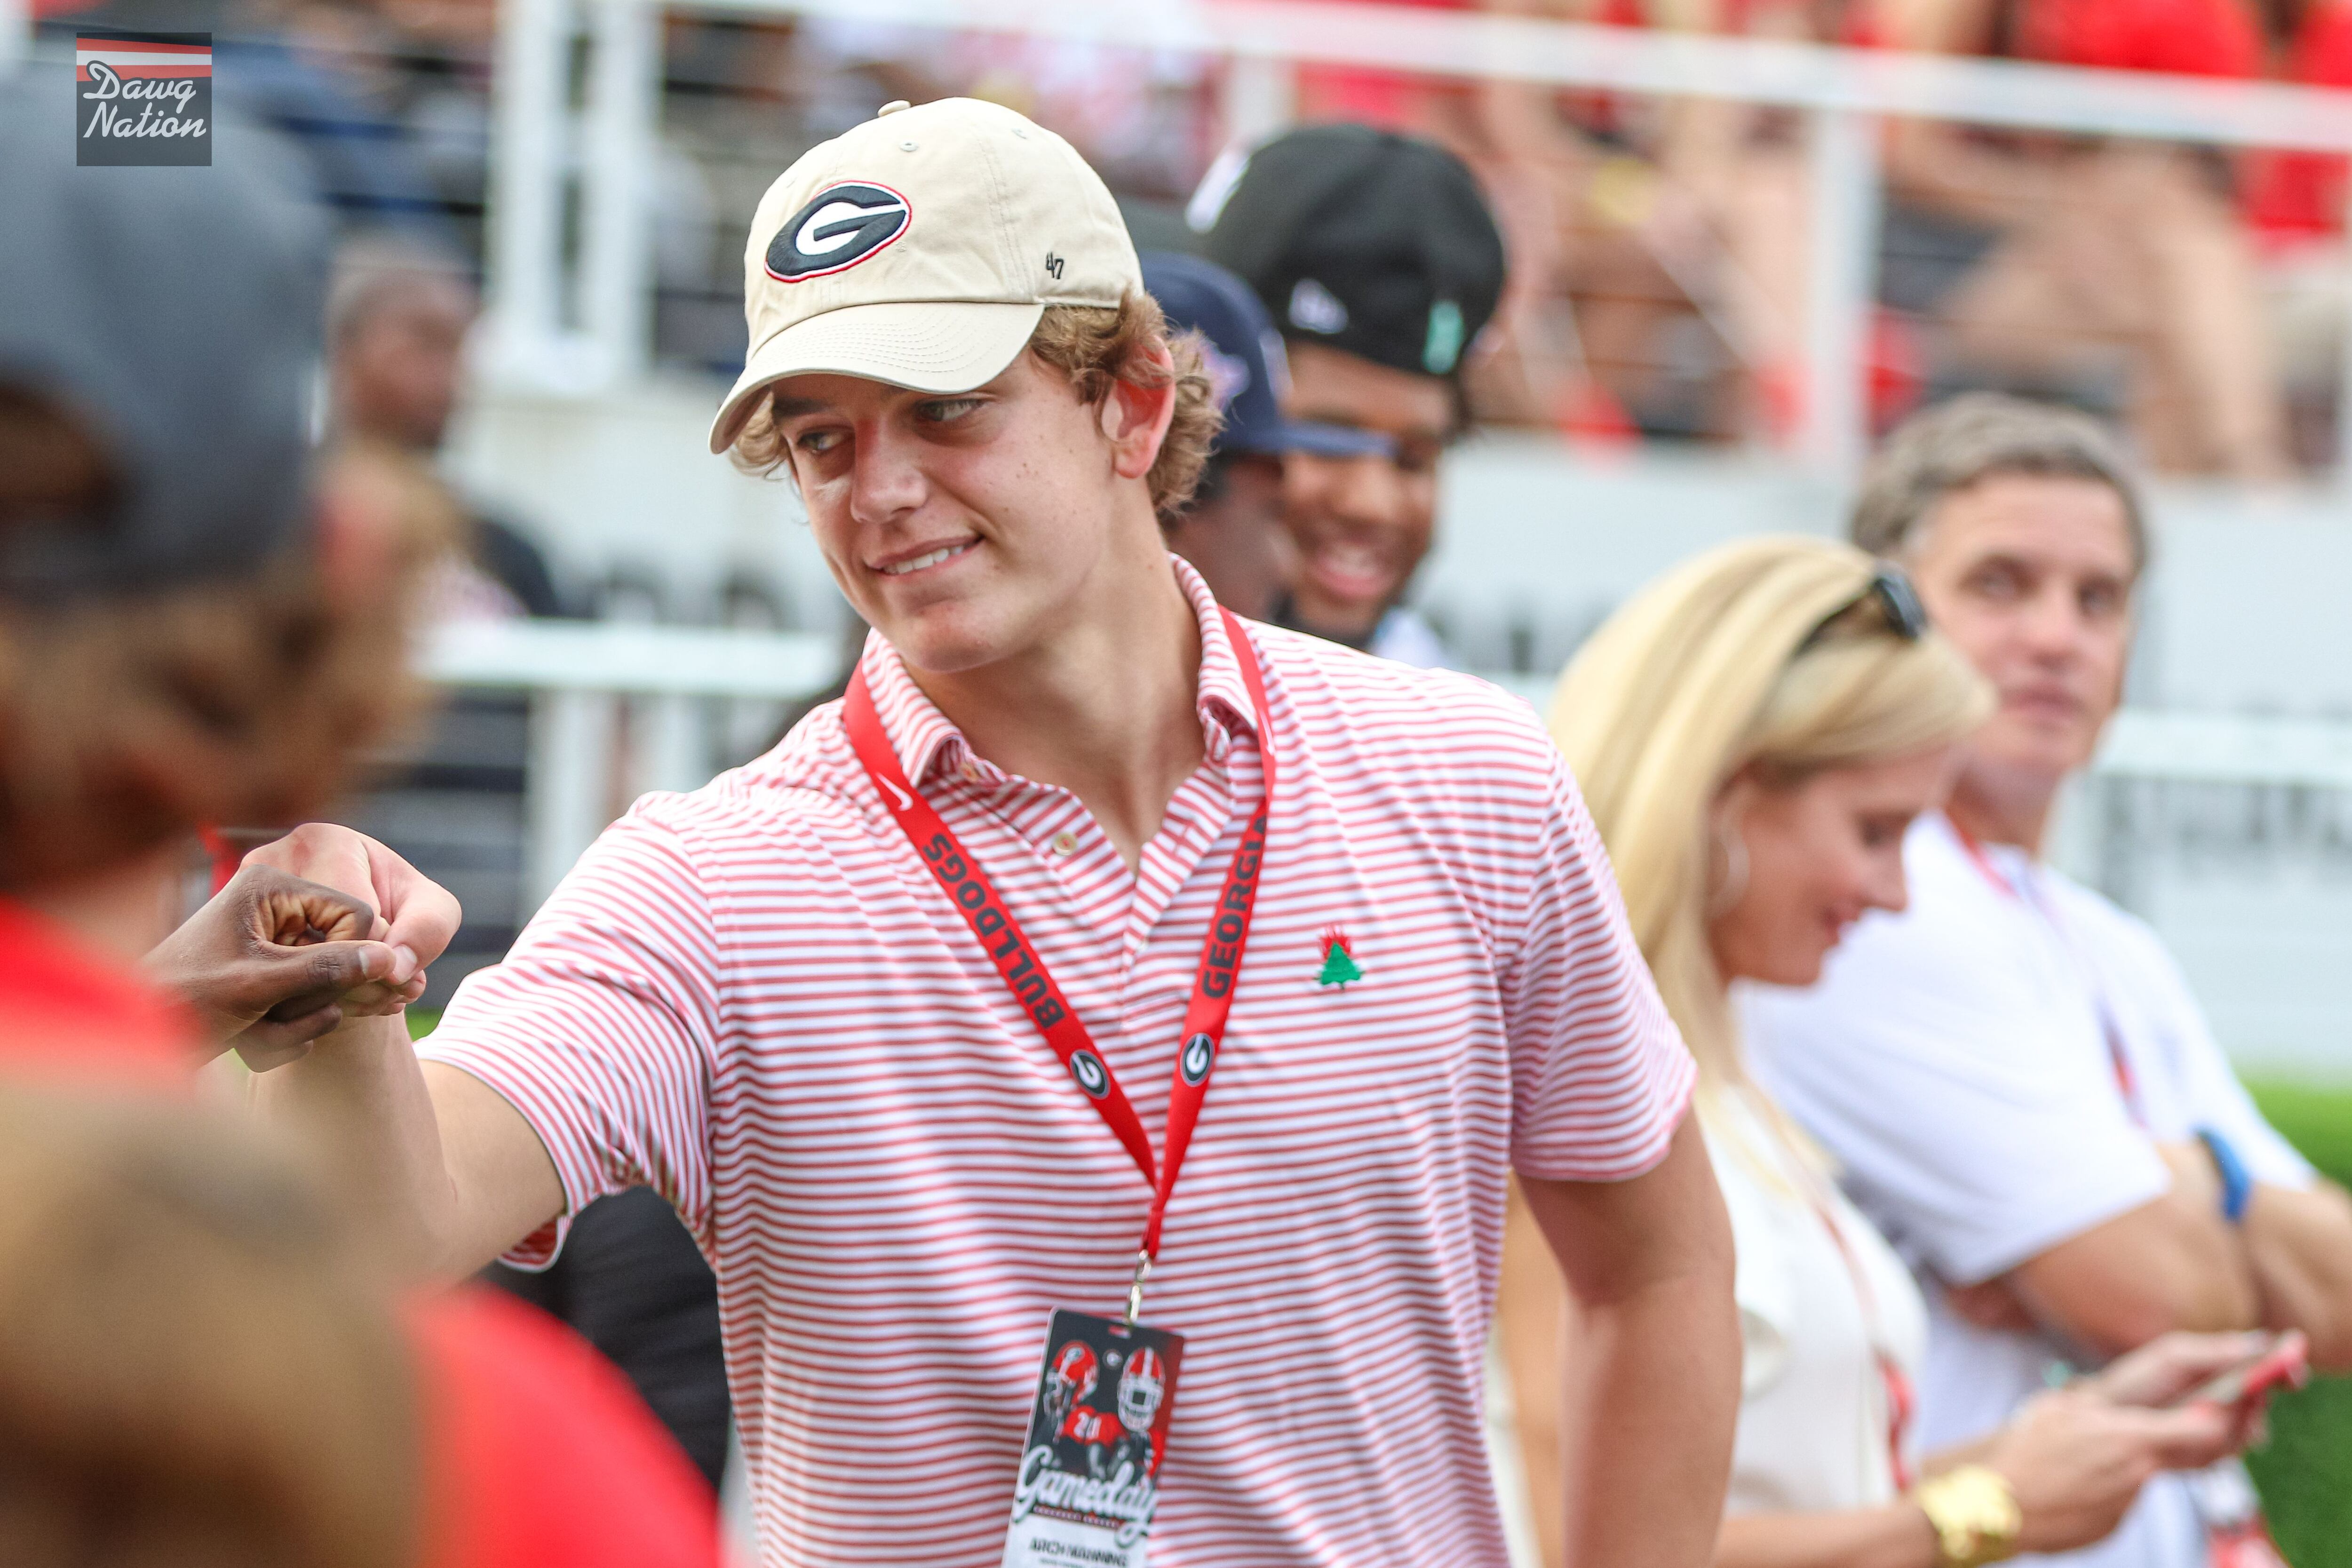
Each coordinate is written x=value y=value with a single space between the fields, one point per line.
x=1599 y=1077
x=1973 y=1111
x=600 y=1027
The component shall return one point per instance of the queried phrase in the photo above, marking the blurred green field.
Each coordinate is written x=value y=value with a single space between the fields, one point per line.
x=2306 y=1474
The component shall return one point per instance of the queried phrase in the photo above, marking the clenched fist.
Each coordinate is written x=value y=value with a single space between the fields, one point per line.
x=321 y=926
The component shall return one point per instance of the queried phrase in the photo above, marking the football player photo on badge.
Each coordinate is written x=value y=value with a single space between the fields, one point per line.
x=1089 y=1477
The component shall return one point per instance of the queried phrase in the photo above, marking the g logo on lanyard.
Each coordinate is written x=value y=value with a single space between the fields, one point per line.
x=1088 y=1071
x=1200 y=1053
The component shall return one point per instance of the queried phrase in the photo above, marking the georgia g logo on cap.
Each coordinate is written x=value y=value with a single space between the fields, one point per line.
x=841 y=227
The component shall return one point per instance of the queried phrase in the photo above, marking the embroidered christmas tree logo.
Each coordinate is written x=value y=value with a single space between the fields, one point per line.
x=1338 y=960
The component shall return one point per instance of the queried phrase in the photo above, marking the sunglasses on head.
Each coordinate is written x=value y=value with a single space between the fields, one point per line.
x=1891 y=593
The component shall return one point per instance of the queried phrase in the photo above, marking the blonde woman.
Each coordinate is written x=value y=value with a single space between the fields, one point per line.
x=1753 y=734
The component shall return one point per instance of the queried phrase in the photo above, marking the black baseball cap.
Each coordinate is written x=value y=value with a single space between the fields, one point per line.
x=1245 y=360
x=174 y=315
x=1377 y=244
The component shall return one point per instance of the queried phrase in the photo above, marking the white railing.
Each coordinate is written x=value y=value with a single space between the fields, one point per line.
x=580 y=676
x=603 y=153
x=582 y=680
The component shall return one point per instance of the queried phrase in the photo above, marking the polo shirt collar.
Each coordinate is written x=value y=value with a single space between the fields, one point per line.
x=928 y=745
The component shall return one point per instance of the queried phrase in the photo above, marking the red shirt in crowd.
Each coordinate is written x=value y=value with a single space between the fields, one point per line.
x=68 y=1010
x=542 y=1454
x=2188 y=37
x=2297 y=197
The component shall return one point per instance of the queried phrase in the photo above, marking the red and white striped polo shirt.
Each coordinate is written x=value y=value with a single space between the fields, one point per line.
x=756 y=999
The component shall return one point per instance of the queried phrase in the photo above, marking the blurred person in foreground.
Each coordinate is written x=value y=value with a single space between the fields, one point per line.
x=896 y=1110
x=398 y=317
x=200 y=1367
x=197 y=1368
x=198 y=626
x=1379 y=262
x=1755 y=731
x=2012 y=1072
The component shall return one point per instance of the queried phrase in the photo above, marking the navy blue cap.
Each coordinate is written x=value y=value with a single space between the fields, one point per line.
x=1245 y=360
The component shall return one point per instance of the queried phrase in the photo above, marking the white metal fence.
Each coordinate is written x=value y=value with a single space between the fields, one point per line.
x=583 y=678
x=580 y=677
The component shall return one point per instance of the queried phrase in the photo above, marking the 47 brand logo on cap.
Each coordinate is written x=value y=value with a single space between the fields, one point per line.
x=143 y=99
x=841 y=227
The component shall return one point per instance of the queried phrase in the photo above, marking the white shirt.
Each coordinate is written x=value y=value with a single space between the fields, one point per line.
x=1955 y=1058
x=756 y=999
x=1813 y=1317
x=1402 y=635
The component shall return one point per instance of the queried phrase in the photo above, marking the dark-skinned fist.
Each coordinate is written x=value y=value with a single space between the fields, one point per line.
x=274 y=961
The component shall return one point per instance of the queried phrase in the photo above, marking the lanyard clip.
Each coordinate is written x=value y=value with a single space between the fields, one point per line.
x=1135 y=1287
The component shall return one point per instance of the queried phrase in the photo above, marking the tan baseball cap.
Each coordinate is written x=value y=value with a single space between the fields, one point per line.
x=919 y=249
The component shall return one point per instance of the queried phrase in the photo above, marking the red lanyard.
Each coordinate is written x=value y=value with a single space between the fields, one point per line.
x=961 y=876
x=1901 y=1400
x=2117 y=1059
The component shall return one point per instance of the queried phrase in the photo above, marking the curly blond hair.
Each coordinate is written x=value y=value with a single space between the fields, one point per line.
x=1094 y=347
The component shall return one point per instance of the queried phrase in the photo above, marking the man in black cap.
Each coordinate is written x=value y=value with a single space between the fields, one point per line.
x=1379 y=261
x=1231 y=529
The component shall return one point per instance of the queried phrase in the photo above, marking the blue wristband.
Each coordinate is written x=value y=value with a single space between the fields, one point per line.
x=2237 y=1186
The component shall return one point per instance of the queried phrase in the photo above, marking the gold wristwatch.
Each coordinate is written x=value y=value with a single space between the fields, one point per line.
x=1976 y=1519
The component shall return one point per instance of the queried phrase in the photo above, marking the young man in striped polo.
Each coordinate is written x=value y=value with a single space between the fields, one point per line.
x=1099 y=952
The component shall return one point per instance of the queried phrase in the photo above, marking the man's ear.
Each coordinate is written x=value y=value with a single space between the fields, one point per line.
x=1136 y=418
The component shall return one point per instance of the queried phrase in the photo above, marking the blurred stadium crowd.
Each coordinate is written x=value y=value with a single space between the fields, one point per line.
x=1659 y=281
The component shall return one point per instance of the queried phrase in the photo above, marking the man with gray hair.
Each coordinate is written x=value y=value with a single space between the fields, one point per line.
x=2013 y=1072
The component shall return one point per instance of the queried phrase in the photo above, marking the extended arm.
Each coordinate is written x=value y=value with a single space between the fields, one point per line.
x=1895 y=1536
x=2172 y=1263
x=546 y=1064
x=451 y=1174
x=2298 y=1242
x=1653 y=1369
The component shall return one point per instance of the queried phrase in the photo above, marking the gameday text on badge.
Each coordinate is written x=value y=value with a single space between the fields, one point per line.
x=144 y=100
